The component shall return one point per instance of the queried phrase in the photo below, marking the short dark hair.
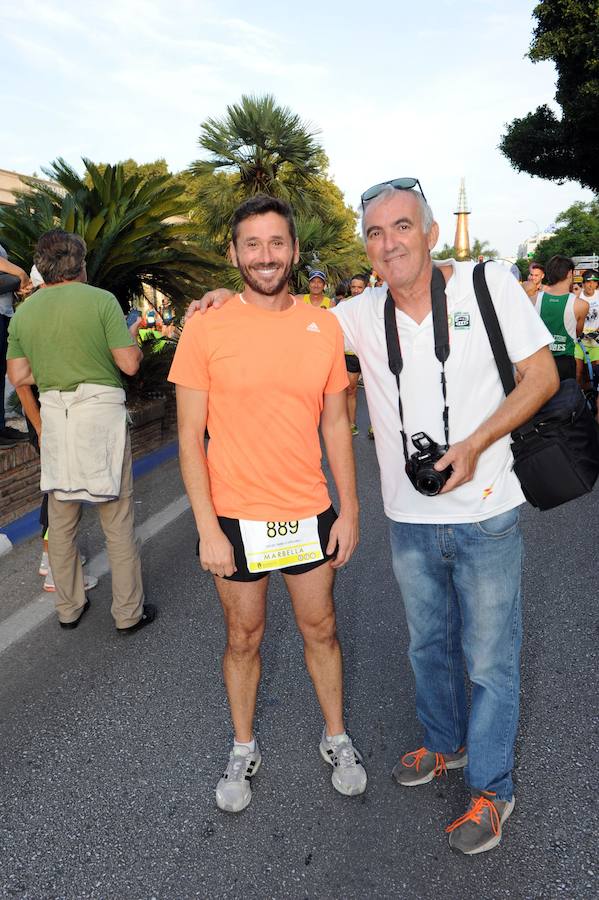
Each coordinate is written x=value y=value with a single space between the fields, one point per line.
x=341 y=289
x=536 y=265
x=558 y=268
x=259 y=205
x=59 y=256
x=361 y=277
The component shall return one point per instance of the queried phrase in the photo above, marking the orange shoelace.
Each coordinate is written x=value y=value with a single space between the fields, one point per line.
x=475 y=811
x=417 y=757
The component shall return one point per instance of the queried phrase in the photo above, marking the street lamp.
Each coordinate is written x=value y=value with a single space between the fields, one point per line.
x=533 y=222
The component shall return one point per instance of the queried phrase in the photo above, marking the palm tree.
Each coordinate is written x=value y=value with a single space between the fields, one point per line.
x=326 y=245
x=481 y=248
x=478 y=248
x=257 y=147
x=136 y=230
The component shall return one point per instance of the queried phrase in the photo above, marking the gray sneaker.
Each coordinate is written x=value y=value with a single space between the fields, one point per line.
x=421 y=766
x=479 y=829
x=349 y=776
x=233 y=791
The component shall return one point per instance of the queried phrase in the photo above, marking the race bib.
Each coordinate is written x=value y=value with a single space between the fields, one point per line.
x=276 y=545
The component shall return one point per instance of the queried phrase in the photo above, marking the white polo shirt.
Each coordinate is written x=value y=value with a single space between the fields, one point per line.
x=473 y=387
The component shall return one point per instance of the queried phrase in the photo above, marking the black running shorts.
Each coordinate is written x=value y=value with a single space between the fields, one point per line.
x=232 y=530
x=566 y=367
x=352 y=364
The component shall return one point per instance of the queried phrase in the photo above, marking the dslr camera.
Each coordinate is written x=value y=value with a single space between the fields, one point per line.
x=420 y=467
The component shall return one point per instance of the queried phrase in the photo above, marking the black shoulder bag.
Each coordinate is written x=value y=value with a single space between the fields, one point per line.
x=556 y=453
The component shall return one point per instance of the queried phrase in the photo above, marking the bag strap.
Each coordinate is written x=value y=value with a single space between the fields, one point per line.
x=441 y=335
x=493 y=328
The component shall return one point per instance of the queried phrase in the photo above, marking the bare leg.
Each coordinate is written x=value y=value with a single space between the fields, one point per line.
x=579 y=371
x=244 y=608
x=312 y=598
x=352 y=396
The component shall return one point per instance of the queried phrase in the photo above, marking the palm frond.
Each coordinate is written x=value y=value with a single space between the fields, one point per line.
x=125 y=222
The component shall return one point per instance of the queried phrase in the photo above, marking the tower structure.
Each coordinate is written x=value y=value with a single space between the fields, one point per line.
x=461 y=241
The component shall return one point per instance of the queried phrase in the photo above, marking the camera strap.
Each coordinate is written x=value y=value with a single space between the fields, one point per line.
x=441 y=335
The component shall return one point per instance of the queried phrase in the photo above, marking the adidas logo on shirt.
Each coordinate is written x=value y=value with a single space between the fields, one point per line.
x=313 y=327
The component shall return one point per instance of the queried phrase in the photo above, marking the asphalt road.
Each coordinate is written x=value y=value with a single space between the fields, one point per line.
x=110 y=747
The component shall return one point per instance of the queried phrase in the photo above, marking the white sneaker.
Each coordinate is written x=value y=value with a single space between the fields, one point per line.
x=233 y=791
x=45 y=563
x=89 y=582
x=349 y=776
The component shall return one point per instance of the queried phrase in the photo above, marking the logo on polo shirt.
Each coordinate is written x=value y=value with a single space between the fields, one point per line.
x=461 y=320
x=313 y=327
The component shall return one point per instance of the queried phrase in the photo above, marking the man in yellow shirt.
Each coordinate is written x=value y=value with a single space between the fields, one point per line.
x=317 y=281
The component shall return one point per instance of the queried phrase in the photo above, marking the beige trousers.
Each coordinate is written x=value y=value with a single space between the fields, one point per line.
x=116 y=518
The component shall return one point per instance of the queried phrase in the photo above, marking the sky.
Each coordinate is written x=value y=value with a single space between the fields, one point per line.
x=393 y=91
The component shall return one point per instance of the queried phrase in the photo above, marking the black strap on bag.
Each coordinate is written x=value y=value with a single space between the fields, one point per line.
x=489 y=317
x=441 y=334
x=556 y=453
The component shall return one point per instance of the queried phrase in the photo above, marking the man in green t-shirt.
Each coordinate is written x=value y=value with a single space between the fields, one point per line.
x=66 y=336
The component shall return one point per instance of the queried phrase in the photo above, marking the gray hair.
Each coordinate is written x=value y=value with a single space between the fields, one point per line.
x=426 y=213
x=60 y=256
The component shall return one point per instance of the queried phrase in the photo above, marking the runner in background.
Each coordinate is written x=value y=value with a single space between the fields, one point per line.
x=586 y=350
x=562 y=312
x=536 y=274
x=357 y=285
x=317 y=281
x=341 y=292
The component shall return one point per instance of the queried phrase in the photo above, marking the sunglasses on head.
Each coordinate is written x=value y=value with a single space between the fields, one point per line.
x=400 y=184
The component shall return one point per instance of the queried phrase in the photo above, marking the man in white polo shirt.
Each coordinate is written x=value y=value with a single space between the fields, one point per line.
x=457 y=555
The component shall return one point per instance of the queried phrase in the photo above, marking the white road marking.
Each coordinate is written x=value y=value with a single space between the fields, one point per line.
x=37 y=611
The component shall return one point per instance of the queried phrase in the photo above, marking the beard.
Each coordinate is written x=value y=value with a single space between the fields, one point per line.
x=270 y=288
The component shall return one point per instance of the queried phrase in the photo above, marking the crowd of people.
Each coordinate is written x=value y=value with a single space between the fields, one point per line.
x=412 y=330
x=568 y=303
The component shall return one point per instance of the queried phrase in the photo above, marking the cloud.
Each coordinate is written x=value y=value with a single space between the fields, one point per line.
x=41 y=55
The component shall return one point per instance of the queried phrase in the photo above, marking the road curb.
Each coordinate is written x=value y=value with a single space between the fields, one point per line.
x=28 y=526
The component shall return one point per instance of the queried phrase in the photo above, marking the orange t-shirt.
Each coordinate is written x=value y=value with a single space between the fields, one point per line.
x=266 y=374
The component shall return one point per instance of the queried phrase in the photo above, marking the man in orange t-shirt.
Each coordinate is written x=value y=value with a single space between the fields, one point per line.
x=259 y=496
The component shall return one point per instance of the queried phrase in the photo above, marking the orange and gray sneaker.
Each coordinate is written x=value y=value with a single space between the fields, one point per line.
x=479 y=829
x=421 y=766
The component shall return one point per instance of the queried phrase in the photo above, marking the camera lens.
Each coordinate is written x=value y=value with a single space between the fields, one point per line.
x=429 y=484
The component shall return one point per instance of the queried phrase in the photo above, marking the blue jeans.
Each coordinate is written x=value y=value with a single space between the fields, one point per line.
x=461 y=590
